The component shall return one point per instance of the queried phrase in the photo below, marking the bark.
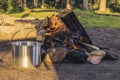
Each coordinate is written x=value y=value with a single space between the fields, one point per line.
x=102 y=6
x=85 y=5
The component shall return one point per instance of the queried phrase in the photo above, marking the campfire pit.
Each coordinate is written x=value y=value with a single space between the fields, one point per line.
x=64 y=32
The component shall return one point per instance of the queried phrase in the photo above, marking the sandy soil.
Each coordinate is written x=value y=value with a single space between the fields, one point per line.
x=106 y=70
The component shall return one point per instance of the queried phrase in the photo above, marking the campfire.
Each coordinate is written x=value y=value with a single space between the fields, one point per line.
x=61 y=38
x=65 y=39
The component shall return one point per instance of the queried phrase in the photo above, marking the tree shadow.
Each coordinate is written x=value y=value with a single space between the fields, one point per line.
x=43 y=10
x=35 y=21
x=25 y=15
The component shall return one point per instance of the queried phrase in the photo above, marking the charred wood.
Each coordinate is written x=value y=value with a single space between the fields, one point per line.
x=56 y=54
x=73 y=24
x=43 y=24
x=76 y=56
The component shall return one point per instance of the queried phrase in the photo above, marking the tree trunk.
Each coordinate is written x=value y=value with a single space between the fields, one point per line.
x=85 y=5
x=25 y=5
x=43 y=4
x=35 y=3
x=20 y=2
x=68 y=6
x=102 y=6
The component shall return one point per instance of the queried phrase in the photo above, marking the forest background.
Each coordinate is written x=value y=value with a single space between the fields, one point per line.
x=91 y=13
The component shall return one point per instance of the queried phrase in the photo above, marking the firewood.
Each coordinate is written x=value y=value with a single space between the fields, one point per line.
x=43 y=24
x=73 y=24
x=1 y=60
x=56 y=54
x=48 y=59
x=63 y=29
x=96 y=56
x=76 y=56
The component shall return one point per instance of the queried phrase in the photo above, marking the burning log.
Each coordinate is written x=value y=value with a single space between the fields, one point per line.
x=73 y=24
x=64 y=28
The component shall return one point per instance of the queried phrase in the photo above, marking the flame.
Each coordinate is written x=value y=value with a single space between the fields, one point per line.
x=73 y=45
x=81 y=38
x=56 y=25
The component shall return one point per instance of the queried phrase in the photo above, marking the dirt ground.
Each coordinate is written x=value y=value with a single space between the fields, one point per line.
x=106 y=70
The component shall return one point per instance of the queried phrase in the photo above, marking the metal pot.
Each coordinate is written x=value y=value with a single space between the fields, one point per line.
x=26 y=53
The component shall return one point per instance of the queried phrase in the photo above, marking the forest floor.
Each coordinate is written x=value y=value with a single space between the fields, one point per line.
x=106 y=70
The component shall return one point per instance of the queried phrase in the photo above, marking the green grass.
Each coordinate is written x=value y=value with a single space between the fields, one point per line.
x=88 y=19
x=92 y=20
x=33 y=14
x=36 y=13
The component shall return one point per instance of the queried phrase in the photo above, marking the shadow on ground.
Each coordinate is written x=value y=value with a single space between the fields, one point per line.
x=25 y=15
x=43 y=11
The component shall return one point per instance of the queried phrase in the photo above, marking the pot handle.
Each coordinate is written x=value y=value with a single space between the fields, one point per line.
x=21 y=30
